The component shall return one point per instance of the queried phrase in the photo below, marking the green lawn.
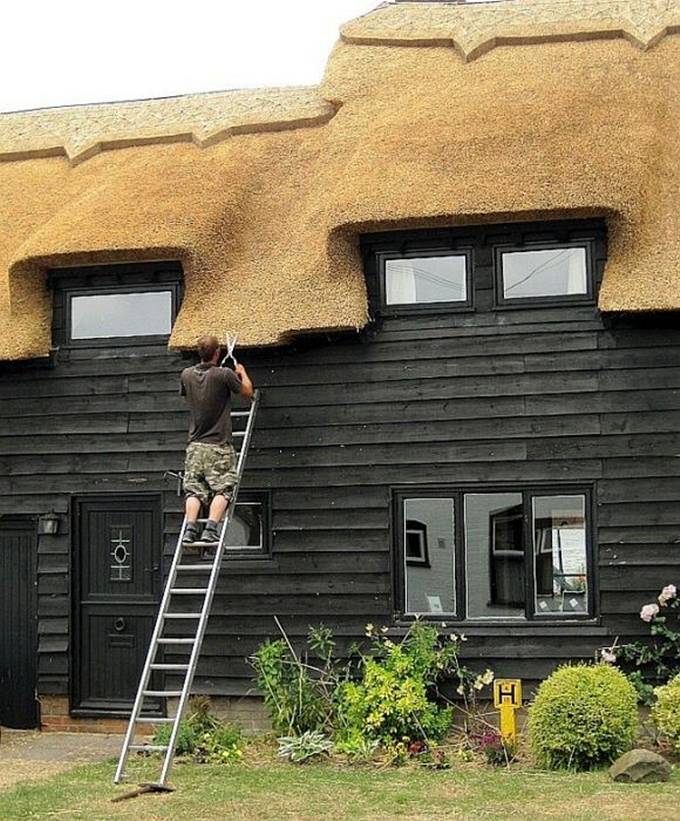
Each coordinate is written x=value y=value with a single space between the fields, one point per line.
x=273 y=790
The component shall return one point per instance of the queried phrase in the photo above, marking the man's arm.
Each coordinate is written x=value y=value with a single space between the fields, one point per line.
x=247 y=389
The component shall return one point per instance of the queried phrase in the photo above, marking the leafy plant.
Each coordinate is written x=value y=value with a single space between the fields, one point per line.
x=301 y=748
x=203 y=736
x=650 y=663
x=222 y=745
x=394 y=700
x=666 y=712
x=356 y=746
x=300 y=696
x=583 y=716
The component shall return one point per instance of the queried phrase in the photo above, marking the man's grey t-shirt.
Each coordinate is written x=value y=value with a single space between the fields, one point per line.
x=208 y=390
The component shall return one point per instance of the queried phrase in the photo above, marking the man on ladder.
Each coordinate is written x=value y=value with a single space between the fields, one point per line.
x=210 y=467
x=213 y=475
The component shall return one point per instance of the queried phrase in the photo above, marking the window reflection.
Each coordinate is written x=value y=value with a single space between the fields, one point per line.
x=429 y=555
x=551 y=272
x=560 y=554
x=413 y=280
x=494 y=555
x=245 y=531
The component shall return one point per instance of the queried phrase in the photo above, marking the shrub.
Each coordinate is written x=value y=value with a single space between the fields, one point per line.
x=300 y=696
x=203 y=736
x=666 y=712
x=656 y=661
x=394 y=699
x=583 y=716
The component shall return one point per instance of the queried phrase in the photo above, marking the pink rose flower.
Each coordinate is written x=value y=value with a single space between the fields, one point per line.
x=649 y=612
x=669 y=592
x=608 y=655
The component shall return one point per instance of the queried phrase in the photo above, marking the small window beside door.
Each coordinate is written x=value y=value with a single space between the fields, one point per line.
x=249 y=530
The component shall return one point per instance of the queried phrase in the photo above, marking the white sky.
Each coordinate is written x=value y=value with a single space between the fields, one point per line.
x=61 y=52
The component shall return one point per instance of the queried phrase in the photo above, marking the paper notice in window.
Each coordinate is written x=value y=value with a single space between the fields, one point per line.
x=435 y=604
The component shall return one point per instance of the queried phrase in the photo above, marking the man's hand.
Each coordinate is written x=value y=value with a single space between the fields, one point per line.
x=247 y=389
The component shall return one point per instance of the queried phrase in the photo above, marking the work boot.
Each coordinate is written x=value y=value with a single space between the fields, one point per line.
x=211 y=532
x=190 y=534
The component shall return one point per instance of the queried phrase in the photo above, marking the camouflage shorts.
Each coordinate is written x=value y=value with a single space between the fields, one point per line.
x=209 y=470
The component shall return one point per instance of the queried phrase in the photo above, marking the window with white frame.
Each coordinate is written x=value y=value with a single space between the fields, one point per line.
x=495 y=555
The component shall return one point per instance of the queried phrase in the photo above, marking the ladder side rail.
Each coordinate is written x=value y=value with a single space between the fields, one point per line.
x=151 y=653
x=207 y=602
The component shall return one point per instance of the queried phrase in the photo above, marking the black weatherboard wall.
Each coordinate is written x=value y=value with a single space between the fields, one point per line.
x=527 y=395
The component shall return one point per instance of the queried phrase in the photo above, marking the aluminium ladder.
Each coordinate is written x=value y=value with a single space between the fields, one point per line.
x=168 y=617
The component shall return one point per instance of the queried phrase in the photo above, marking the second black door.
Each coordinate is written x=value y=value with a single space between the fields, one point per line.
x=18 y=634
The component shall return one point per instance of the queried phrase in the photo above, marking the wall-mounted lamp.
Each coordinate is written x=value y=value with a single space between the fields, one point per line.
x=48 y=524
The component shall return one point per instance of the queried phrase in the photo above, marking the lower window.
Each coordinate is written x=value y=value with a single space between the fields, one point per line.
x=511 y=554
x=249 y=528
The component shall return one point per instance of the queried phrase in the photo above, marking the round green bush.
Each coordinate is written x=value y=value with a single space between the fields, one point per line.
x=583 y=716
x=666 y=712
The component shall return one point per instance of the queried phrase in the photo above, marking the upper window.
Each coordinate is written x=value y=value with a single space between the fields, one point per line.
x=422 y=280
x=496 y=555
x=430 y=279
x=484 y=268
x=115 y=305
x=544 y=273
x=135 y=313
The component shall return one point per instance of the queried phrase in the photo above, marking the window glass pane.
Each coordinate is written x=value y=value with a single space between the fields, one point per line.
x=245 y=529
x=100 y=316
x=559 y=528
x=555 y=272
x=429 y=556
x=494 y=555
x=425 y=279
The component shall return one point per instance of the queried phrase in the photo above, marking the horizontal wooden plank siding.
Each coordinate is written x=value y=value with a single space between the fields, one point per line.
x=537 y=395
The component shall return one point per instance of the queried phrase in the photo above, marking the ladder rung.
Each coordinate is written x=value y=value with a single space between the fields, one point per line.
x=151 y=748
x=169 y=666
x=176 y=641
x=163 y=693
x=201 y=544
x=182 y=616
x=240 y=413
x=151 y=720
x=188 y=591
x=206 y=566
x=238 y=433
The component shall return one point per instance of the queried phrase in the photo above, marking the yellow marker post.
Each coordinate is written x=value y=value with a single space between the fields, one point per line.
x=507 y=698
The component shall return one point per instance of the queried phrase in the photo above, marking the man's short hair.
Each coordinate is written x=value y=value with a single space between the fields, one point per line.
x=206 y=347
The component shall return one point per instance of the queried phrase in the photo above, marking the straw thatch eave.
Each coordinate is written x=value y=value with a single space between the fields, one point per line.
x=266 y=224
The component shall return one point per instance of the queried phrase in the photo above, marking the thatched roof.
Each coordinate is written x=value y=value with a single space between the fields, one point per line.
x=425 y=116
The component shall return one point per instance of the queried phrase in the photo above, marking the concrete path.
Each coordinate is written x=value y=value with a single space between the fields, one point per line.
x=28 y=756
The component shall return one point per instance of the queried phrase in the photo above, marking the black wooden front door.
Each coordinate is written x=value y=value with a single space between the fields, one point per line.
x=117 y=575
x=18 y=633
